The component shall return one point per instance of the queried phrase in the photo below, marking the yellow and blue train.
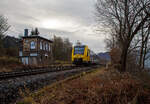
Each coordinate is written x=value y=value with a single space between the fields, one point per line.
x=81 y=54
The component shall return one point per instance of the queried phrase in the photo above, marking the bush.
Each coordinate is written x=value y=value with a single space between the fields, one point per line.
x=4 y=61
x=8 y=64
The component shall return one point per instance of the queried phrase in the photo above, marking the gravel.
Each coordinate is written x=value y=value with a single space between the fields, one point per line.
x=9 y=89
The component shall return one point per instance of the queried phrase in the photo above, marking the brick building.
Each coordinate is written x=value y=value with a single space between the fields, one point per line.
x=35 y=50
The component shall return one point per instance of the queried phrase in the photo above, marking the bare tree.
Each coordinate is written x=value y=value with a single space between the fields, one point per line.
x=123 y=17
x=140 y=46
x=62 y=49
x=4 y=26
x=111 y=41
x=3 y=29
x=146 y=48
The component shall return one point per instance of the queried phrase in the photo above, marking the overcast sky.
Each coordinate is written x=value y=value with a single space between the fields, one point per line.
x=73 y=19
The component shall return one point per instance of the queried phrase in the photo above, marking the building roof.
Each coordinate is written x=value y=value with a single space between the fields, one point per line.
x=37 y=36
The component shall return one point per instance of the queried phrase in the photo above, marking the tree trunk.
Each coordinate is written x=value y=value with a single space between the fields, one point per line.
x=145 y=51
x=124 y=58
x=141 y=55
x=146 y=46
x=142 y=49
x=143 y=64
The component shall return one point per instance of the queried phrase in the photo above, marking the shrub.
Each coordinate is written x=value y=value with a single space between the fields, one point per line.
x=8 y=60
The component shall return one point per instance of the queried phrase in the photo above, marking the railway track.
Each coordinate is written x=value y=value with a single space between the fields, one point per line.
x=8 y=75
x=34 y=79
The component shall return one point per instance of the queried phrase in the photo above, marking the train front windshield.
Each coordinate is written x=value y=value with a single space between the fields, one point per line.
x=79 y=50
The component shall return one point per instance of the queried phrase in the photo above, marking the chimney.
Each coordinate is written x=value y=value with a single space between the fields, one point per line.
x=25 y=32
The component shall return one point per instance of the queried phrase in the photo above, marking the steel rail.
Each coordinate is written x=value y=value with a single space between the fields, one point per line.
x=8 y=75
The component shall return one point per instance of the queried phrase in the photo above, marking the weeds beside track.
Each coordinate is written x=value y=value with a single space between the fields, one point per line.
x=9 y=90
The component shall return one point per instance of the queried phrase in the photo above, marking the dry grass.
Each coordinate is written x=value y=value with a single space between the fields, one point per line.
x=8 y=64
x=98 y=87
x=58 y=62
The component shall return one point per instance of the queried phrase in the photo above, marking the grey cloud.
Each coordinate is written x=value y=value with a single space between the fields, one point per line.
x=79 y=10
x=28 y=13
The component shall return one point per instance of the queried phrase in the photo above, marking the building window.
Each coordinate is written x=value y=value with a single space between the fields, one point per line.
x=33 y=54
x=32 y=45
x=20 y=53
x=49 y=47
x=26 y=41
x=25 y=60
x=41 y=46
x=46 y=46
